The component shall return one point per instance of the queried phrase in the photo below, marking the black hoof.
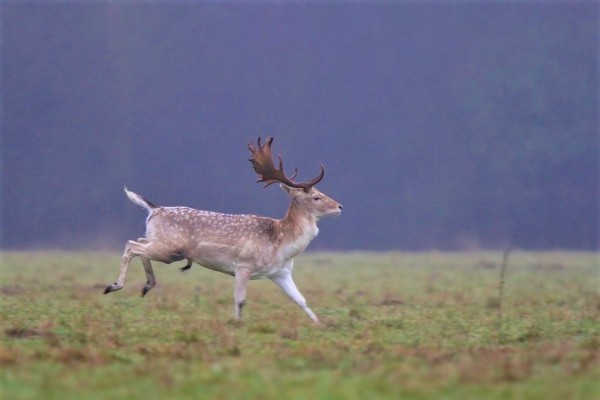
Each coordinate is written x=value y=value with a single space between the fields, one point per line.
x=112 y=288
x=186 y=267
x=145 y=290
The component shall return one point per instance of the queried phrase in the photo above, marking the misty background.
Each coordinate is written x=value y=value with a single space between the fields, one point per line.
x=440 y=125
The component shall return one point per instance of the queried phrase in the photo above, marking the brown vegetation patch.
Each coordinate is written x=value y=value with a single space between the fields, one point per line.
x=7 y=356
x=74 y=356
x=22 y=333
x=486 y=264
x=391 y=301
x=542 y=266
x=289 y=333
x=12 y=290
x=26 y=333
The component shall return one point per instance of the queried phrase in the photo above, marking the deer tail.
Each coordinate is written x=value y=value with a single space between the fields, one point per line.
x=140 y=201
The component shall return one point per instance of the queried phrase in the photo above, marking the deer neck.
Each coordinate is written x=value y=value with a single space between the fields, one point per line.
x=299 y=227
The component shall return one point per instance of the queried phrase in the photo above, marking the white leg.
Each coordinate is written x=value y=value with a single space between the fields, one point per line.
x=125 y=260
x=286 y=283
x=242 y=276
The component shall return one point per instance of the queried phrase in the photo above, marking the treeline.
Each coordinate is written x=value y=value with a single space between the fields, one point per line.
x=440 y=125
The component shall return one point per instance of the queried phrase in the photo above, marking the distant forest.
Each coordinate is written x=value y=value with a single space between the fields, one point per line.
x=441 y=126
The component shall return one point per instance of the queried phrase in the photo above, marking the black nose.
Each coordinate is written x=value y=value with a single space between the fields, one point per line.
x=340 y=207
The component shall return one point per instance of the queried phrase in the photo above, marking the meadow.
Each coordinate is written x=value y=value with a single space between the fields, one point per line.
x=395 y=326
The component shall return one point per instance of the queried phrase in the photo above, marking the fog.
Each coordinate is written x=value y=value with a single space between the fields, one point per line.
x=440 y=125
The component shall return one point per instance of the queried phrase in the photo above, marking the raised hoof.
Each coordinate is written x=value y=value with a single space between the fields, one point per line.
x=145 y=290
x=111 y=288
x=185 y=268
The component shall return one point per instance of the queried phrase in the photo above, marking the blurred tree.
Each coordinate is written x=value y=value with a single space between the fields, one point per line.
x=532 y=118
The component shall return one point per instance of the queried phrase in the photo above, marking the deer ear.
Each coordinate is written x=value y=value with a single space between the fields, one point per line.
x=292 y=192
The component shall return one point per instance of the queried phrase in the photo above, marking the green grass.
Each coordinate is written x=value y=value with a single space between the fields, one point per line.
x=396 y=325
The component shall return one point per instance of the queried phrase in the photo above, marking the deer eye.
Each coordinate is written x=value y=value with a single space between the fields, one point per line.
x=317 y=198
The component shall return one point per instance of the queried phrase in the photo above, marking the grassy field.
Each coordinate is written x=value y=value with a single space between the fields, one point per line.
x=395 y=325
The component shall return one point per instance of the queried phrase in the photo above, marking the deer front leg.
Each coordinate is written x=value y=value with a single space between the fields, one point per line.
x=286 y=283
x=242 y=276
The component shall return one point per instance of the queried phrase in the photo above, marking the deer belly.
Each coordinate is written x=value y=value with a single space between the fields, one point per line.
x=265 y=272
x=216 y=257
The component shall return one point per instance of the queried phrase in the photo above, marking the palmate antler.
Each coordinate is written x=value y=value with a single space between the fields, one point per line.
x=262 y=162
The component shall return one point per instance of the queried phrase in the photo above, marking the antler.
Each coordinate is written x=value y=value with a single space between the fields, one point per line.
x=262 y=162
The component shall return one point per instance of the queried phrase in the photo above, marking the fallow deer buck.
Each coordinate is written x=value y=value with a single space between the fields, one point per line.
x=244 y=246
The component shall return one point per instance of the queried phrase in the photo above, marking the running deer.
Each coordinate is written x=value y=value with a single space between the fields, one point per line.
x=243 y=246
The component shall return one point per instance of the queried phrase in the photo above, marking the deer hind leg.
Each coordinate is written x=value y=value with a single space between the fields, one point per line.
x=286 y=283
x=132 y=249
x=150 y=279
x=187 y=266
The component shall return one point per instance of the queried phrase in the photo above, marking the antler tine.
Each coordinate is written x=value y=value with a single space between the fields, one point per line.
x=291 y=178
x=262 y=162
x=317 y=178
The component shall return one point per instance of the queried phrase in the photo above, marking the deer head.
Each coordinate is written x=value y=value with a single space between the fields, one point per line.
x=303 y=194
